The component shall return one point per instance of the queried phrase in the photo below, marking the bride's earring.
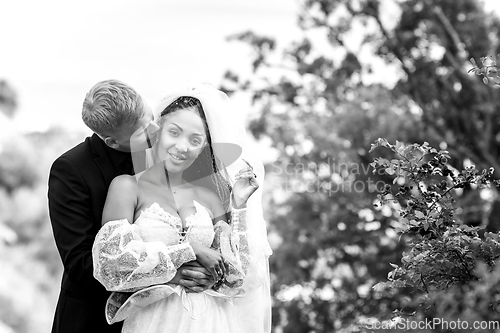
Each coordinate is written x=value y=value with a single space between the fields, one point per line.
x=154 y=149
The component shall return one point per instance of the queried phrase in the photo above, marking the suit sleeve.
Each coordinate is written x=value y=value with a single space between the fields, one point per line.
x=72 y=220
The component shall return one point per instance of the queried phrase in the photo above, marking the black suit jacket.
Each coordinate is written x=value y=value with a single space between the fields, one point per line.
x=78 y=184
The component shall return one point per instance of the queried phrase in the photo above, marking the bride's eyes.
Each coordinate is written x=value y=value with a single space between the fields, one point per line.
x=195 y=142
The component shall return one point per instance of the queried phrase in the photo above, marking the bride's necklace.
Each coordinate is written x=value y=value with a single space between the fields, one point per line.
x=174 y=191
x=183 y=229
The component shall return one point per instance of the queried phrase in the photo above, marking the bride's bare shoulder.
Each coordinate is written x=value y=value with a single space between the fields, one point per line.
x=121 y=199
x=124 y=181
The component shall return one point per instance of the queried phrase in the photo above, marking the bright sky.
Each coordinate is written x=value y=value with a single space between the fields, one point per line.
x=54 y=51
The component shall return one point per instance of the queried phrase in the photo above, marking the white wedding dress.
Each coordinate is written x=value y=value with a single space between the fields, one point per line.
x=137 y=260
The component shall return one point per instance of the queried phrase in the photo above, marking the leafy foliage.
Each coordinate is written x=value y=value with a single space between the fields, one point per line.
x=18 y=165
x=488 y=70
x=317 y=101
x=447 y=259
x=31 y=266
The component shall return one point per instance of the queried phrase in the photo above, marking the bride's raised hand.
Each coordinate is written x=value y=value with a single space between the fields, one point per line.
x=246 y=184
x=210 y=259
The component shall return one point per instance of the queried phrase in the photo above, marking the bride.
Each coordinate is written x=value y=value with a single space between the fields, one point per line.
x=199 y=200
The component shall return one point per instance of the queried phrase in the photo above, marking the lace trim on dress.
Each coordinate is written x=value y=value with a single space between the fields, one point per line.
x=231 y=240
x=119 y=241
x=123 y=261
x=155 y=210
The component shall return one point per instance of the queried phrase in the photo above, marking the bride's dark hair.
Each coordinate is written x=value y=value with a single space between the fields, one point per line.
x=206 y=170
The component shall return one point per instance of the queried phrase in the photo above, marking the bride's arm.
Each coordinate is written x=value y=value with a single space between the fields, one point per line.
x=231 y=241
x=121 y=200
x=122 y=259
x=232 y=238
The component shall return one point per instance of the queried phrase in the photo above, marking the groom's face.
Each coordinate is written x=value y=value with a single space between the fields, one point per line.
x=139 y=136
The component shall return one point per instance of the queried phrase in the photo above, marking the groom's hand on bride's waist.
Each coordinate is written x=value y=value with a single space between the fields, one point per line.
x=194 y=277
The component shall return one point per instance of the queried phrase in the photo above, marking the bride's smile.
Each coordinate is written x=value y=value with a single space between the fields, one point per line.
x=177 y=157
x=182 y=137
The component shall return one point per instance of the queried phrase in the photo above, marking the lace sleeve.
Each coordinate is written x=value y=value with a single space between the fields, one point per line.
x=124 y=262
x=231 y=241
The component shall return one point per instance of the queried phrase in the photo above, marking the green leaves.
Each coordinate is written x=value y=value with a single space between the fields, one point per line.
x=443 y=252
x=309 y=93
x=381 y=142
x=488 y=69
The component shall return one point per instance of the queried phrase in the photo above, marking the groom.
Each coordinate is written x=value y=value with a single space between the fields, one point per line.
x=78 y=183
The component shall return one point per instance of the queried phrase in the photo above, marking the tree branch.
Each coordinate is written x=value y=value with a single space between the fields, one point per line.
x=455 y=37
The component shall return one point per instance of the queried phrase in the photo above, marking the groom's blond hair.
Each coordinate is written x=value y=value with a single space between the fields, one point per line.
x=110 y=106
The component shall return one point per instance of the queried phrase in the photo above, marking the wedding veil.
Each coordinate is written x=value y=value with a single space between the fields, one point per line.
x=231 y=147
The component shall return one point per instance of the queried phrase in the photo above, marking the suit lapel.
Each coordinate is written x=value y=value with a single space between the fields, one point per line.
x=102 y=159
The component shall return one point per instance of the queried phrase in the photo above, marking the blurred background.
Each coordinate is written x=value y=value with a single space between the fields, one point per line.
x=317 y=80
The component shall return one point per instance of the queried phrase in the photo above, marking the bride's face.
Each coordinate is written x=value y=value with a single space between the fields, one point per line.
x=182 y=137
